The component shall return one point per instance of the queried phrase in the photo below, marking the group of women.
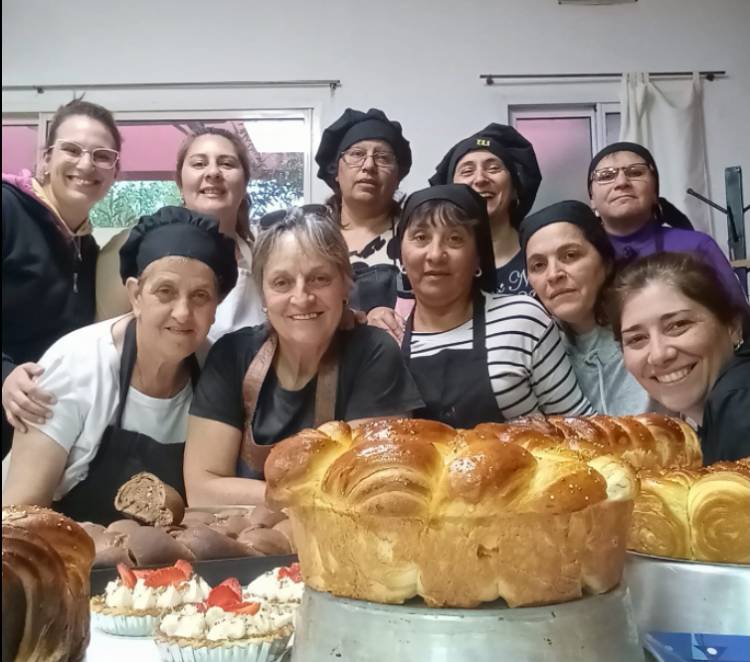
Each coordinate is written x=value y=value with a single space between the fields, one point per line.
x=496 y=314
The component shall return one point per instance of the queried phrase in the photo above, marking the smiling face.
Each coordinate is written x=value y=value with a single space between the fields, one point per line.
x=566 y=272
x=488 y=176
x=674 y=347
x=212 y=180
x=624 y=205
x=440 y=260
x=368 y=185
x=304 y=293
x=175 y=303
x=74 y=183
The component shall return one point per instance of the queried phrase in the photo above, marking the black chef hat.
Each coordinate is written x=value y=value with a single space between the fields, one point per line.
x=350 y=128
x=475 y=206
x=569 y=211
x=624 y=147
x=176 y=231
x=516 y=153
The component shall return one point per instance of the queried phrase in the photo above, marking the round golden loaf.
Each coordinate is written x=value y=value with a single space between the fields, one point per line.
x=404 y=507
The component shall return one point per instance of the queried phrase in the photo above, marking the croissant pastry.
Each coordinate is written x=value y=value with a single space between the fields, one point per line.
x=403 y=507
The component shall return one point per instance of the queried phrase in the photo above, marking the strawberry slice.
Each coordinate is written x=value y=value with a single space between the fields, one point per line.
x=126 y=575
x=185 y=568
x=222 y=596
x=291 y=571
x=250 y=608
x=164 y=577
x=234 y=584
x=141 y=574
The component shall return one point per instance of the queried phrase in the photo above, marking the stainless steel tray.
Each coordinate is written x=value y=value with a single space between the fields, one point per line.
x=592 y=629
x=674 y=595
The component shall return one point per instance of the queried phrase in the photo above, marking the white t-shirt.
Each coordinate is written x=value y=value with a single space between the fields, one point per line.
x=240 y=308
x=82 y=370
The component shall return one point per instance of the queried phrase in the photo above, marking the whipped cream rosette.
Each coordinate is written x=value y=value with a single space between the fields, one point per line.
x=281 y=585
x=224 y=628
x=131 y=605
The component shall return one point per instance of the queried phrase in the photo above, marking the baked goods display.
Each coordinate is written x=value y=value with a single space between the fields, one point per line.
x=226 y=533
x=699 y=514
x=148 y=500
x=131 y=604
x=225 y=627
x=402 y=507
x=47 y=560
x=647 y=441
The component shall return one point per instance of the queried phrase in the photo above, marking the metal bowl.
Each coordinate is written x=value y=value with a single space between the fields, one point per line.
x=674 y=595
x=591 y=629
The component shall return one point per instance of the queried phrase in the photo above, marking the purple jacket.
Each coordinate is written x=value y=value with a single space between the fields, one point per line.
x=654 y=238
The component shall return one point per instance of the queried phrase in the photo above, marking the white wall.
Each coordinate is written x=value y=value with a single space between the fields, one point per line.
x=419 y=60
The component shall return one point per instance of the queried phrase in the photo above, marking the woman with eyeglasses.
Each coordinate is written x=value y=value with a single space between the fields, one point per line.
x=476 y=356
x=306 y=366
x=212 y=174
x=686 y=342
x=363 y=157
x=49 y=254
x=623 y=182
x=570 y=263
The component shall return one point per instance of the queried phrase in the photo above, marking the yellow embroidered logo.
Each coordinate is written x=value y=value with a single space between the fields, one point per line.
x=483 y=142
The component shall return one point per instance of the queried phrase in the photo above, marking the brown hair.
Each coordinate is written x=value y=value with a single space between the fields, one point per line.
x=243 y=213
x=688 y=274
x=88 y=109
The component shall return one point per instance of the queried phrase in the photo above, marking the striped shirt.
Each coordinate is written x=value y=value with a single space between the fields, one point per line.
x=528 y=367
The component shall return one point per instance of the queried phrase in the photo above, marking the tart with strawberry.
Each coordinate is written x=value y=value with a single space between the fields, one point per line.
x=224 y=628
x=282 y=585
x=131 y=605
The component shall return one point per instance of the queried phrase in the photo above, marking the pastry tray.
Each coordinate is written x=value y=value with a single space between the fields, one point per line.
x=214 y=571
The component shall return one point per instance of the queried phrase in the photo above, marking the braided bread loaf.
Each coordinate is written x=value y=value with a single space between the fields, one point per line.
x=402 y=507
x=700 y=514
x=648 y=441
x=46 y=564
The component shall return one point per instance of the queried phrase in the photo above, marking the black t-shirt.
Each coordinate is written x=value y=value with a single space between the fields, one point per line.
x=373 y=380
x=725 y=433
x=511 y=277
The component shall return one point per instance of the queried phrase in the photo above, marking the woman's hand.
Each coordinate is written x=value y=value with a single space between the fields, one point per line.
x=388 y=320
x=23 y=399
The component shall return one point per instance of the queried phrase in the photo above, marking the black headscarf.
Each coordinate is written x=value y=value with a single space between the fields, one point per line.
x=516 y=153
x=569 y=211
x=352 y=127
x=475 y=206
x=665 y=212
x=177 y=231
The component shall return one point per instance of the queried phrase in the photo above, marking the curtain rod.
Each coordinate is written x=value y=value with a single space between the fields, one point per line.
x=708 y=75
x=41 y=89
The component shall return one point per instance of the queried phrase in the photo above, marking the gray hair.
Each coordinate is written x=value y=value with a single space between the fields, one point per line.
x=314 y=228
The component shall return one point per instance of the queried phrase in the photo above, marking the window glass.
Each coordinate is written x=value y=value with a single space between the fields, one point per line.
x=19 y=147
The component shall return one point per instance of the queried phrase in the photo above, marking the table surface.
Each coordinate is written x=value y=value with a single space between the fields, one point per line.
x=110 y=648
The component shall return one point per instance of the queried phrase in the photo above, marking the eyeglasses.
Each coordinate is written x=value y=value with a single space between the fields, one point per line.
x=101 y=157
x=282 y=215
x=632 y=171
x=355 y=157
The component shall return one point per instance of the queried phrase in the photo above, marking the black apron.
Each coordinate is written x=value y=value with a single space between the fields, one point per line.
x=373 y=286
x=455 y=384
x=122 y=454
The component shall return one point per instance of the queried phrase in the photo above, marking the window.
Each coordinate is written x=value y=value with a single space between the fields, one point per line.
x=20 y=140
x=278 y=144
x=565 y=138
